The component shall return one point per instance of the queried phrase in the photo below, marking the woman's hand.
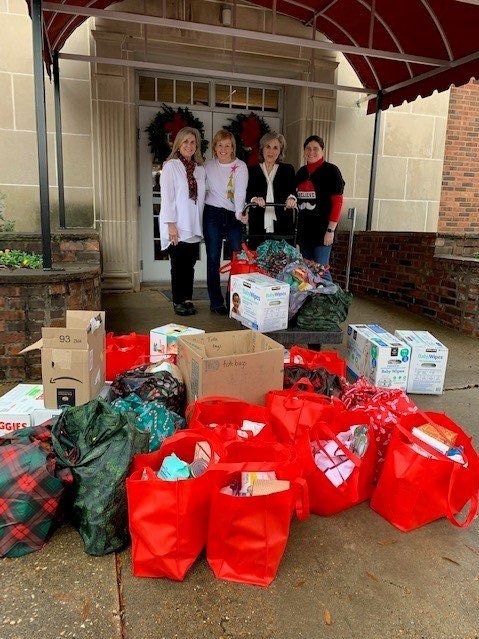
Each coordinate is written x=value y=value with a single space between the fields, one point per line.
x=291 y=202
x=259 y=201
x=244 y=217
x=328 y=238
x=173 y=233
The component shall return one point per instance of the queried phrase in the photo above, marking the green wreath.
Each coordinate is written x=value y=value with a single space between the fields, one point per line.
x=248 y=130
x=164 y=128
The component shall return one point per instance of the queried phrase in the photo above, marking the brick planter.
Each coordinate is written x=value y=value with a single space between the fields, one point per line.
x=30 y=299
x=78 y=247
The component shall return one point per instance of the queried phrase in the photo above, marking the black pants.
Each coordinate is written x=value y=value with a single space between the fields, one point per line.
x=183 y=257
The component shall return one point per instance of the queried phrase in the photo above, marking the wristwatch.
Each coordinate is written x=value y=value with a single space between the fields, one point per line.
x=330 y=230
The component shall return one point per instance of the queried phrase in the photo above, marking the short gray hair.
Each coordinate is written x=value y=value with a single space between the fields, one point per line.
x=269 y=137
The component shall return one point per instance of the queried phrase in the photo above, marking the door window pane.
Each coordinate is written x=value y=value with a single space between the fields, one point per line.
x=183 y=92
x=255 y=98
x=164 y=89
x=238 y=97
x=222 y=95
x=271 y=100
x=201 y=93
x=147 y=88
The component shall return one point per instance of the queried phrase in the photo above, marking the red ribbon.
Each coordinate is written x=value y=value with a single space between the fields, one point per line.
x=173 y=126
x=250 y=136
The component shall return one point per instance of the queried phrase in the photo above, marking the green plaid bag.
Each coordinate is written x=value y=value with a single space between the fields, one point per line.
x=152 y=417
x=97 y=445
x=324 y=312
x=31 y=488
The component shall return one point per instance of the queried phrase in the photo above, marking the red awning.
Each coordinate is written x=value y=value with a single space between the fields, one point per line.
x=442 y=30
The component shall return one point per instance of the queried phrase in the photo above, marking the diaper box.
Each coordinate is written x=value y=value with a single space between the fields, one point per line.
x=427 y=369
x=259 y=302
x=164 y=339
x=377 y=355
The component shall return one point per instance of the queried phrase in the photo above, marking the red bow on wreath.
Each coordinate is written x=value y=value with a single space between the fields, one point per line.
x=250 y=136
x=172 y=127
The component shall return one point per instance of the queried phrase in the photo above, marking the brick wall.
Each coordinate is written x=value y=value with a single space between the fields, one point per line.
x=31 y=300
x=459 y=205
x=67 y=246
x=457 y=244
x=403 y=268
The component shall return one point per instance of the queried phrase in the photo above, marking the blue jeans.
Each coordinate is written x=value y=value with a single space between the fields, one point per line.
x=218 y=224
x=319 y=254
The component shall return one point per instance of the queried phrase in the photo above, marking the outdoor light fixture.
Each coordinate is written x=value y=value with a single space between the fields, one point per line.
x=226 y=16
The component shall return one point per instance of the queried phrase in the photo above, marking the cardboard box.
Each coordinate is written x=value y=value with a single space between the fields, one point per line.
x=23 y=407
x=259 y=302
x=427 y=369
x=163 y=340
x=378 y=355
x=243 y=364
x=73 y=359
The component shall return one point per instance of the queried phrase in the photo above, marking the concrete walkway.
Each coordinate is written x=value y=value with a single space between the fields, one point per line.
x=354 y=569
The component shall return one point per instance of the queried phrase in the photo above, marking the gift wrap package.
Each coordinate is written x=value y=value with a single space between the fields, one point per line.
x=244 y=364
x=378 y=355
x=259 y=302
x=427 y=369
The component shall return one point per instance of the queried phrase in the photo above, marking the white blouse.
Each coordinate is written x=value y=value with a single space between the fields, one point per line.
x=177 y=206
x=226 y=185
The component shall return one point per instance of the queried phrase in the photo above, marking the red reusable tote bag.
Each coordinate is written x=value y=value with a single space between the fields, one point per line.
x=228 y=414
x=292 y=411
x=325 y=498
x=283 y=459
x=310 y=359
x=168 y=520
x=414 y=490
x=124 y=352
x=247 y=536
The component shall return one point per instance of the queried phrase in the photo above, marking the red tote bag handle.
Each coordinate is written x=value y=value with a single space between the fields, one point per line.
x=301 y=492
x=357 y=461
x=210 y=400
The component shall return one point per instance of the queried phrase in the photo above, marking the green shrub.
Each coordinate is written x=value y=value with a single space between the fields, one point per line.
x=15 y=258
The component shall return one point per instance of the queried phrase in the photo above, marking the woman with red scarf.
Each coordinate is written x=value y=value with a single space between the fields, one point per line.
x=319 y=187
x=182 y=185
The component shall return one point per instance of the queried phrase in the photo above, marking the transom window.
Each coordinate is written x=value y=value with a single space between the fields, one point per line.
x=197 y=93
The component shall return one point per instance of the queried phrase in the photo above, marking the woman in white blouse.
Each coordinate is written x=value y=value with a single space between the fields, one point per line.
x=182 y=184
x=227 y=178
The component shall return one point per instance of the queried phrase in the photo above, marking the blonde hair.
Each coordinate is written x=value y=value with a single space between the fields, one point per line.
x=221 y=135
x=269 y=137
x=180 y=138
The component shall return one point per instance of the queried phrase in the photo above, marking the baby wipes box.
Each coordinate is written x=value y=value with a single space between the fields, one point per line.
x=427 y=369
x=259 y=302
x=378 y=355
x=164 y=339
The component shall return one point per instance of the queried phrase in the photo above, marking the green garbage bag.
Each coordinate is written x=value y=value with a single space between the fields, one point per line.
x=97 y=445
x=152 y=417
x=324 y=312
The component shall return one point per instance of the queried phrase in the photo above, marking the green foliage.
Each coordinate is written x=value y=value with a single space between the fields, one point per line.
x=5 y=225
x=165 y=125
x=15 y=258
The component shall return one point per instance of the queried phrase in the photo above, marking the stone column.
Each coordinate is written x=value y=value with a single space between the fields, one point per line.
x=115 y=165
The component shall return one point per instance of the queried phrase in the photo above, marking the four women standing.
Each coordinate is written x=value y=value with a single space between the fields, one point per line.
x=223 y=186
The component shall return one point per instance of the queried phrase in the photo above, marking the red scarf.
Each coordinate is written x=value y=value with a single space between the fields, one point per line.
x=313 y=166
x=190 y=166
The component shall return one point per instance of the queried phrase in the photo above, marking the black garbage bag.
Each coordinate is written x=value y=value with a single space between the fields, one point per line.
x=97 y=445
x=149 y=386
x=324 y=312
